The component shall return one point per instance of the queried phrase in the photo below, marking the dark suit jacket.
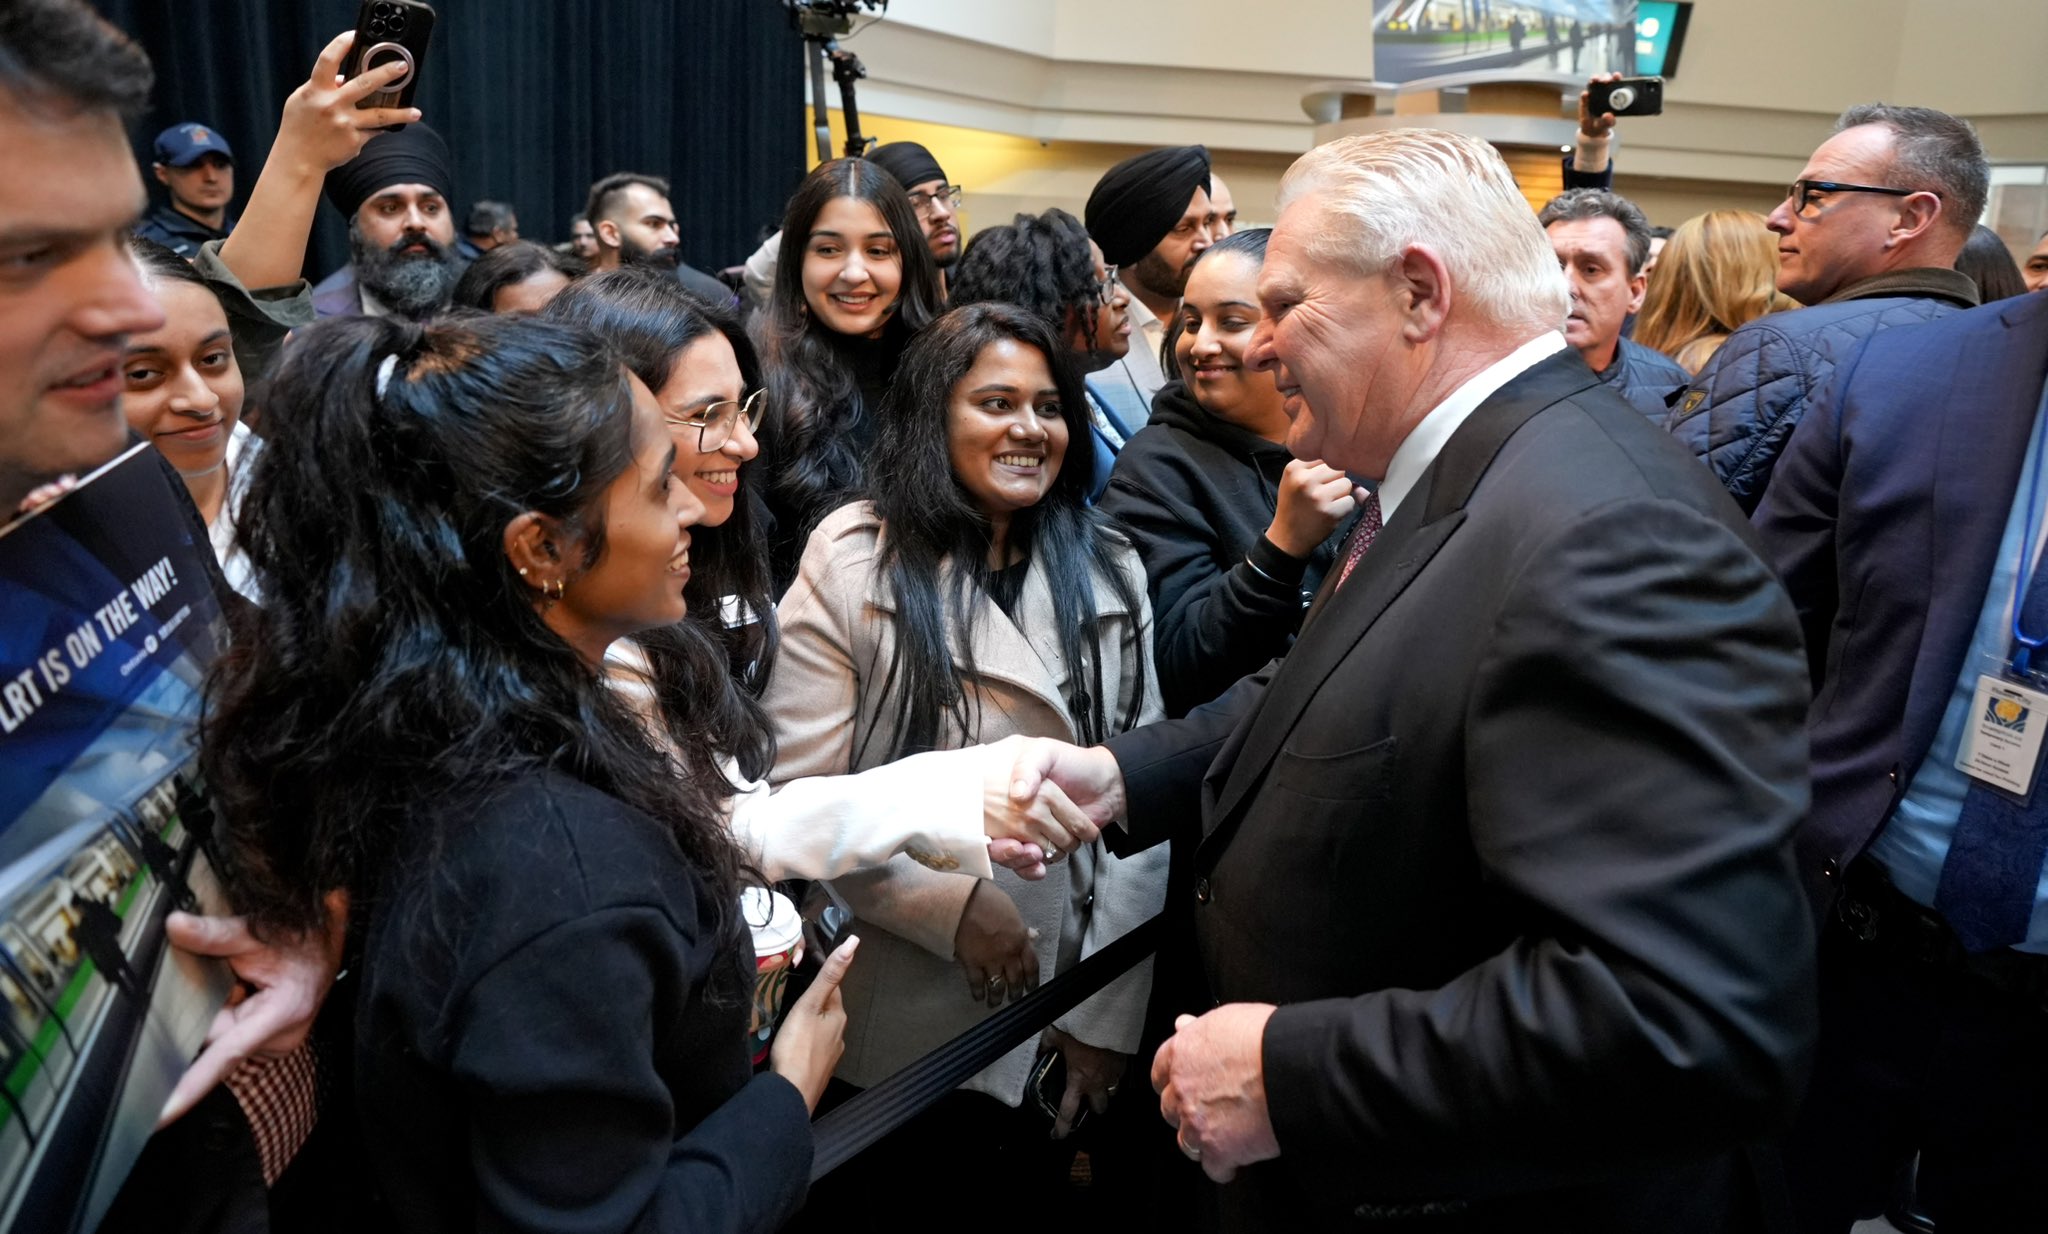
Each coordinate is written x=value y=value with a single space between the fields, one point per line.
x=1508 y=835
x=1883 y=520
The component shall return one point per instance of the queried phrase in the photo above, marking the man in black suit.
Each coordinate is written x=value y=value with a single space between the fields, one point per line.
x=1492 y=887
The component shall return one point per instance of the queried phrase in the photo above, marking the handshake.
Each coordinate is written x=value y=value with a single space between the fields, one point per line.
x=1042 y=799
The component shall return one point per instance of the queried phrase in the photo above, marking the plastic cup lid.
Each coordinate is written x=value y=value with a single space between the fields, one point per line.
x=773 y=918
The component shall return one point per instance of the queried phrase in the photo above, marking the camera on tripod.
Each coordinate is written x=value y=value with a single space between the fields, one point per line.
x=828 y=19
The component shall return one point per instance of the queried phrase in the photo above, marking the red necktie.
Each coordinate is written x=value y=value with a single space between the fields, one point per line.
x=1361 y=539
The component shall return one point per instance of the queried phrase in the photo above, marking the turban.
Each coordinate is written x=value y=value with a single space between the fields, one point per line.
x=414 y=154
x=1137 y=202
x=909 y=162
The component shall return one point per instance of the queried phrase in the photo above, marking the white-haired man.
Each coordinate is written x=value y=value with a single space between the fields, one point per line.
x=1492 y=883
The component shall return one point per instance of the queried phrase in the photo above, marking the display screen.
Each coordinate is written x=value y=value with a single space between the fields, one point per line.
x=1417 y=39
x=1660 y=36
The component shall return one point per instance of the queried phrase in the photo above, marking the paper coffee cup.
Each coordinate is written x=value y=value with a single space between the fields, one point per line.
x=778 y=948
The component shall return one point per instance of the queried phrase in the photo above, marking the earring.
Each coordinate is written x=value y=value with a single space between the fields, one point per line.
x=522 y=571
x=554 y=589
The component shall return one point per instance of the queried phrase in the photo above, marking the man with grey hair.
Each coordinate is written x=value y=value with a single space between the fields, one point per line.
x=1490 y=878
x=1603 y=243
x=1868 y=239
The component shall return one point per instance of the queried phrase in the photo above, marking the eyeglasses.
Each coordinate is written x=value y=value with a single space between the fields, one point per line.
x=922 y=202
x=1803 y=192
x=1105 y=287
x=715 y=423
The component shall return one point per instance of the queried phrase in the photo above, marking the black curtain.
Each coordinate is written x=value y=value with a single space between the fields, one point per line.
x=537 y=99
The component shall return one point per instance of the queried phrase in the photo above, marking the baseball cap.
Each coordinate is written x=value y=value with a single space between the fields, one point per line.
x=182 y=145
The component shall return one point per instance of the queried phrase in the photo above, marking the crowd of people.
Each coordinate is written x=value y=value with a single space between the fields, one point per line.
x=1533 y=665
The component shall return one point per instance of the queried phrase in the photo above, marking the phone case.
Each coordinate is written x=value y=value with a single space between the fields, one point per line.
x=386 y=29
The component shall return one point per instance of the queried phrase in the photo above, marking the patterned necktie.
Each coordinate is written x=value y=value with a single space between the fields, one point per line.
x=1367 y=531
x=1993 y=867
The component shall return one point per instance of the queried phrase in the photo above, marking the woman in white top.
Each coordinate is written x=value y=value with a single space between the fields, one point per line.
x=940 y=810
x=183 y=394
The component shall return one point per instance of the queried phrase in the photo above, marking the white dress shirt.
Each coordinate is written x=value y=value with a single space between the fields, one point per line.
x=1426 y=440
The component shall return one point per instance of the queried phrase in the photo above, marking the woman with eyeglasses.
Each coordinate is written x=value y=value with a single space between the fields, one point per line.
x=854 y=280
x=1235 y=532
x=975 y=596
x=1047 y=264
x=701 y=368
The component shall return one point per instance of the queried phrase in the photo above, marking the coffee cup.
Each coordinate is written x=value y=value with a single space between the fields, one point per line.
x=778 y=932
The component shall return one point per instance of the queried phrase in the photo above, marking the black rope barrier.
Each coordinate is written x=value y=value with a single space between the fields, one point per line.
x=888 y=1105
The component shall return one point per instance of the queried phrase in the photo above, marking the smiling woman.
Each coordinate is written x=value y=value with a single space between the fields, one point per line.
x=976 y=597
x=184 y=396
x=853 y=281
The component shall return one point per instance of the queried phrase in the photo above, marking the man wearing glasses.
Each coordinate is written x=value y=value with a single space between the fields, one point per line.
x=1868 y=238
x=935 y=199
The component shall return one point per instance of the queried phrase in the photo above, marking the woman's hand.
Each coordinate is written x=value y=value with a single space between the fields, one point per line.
x=993 y=946
x=1092 y=1076
x=813 y=1035
x=1314 y=498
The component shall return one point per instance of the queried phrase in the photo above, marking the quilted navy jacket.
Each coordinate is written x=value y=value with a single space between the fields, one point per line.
x=1742 y=407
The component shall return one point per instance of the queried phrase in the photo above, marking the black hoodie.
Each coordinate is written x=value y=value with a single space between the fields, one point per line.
x=1195 y=495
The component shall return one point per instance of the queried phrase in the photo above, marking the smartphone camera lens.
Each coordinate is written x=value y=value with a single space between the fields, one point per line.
x=1622 y=99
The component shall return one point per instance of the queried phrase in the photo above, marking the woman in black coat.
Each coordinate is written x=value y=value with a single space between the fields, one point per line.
x=1236 y=534
x=450 y=524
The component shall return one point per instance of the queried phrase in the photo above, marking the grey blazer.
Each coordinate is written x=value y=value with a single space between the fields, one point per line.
x=905 y=995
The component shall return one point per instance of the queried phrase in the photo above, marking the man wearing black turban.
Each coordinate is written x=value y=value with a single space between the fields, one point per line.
x=401 y=233
x=1151 y=217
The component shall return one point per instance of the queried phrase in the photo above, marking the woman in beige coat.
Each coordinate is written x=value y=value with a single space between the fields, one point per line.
x=974 y=598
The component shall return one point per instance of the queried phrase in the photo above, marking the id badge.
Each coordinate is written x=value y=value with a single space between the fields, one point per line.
x=2002 y=743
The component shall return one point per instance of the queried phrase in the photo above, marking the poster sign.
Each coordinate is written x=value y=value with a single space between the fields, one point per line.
x=107 y=625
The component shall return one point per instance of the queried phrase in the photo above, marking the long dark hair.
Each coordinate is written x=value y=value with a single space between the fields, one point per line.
x=1990 y=265
x=814 y=402
x=935 y=540
x=649 y=318
x=397 y=658
x=1039 y=262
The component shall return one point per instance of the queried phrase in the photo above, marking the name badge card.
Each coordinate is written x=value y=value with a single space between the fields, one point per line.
x=2002 y=745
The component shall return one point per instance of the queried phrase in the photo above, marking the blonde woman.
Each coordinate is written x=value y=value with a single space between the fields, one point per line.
x=1718 y=271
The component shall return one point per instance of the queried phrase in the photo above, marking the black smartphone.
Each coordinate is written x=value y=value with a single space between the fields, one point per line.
x=1631 y=96
x=388 y=30
x=1048 y=1087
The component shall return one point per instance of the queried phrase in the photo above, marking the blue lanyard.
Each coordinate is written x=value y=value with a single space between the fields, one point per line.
x=2028 y=644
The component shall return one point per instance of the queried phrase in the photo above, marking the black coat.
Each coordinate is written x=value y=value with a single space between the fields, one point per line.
x=551 y=1033
x=1507 y=835
x=1195 y=495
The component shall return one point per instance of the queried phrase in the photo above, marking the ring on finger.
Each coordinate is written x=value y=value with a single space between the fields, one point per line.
x=1188 y=1150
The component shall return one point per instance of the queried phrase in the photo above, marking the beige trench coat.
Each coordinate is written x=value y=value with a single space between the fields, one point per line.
x=905 y=995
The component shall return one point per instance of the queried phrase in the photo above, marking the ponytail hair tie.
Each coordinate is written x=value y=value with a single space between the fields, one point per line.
x=384 y=371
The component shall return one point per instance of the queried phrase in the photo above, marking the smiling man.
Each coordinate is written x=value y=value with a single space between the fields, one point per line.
x=1490 y=876
x=1603 y=243
x=1868 y=238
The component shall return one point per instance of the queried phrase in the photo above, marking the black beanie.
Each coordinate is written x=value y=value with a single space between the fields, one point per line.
x=1137 y=202
x=414 y=154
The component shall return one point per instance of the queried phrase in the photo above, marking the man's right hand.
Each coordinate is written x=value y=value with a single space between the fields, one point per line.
x=1027 y=833
x=1591 y=127
x=321 y=128
x=1088 y=775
